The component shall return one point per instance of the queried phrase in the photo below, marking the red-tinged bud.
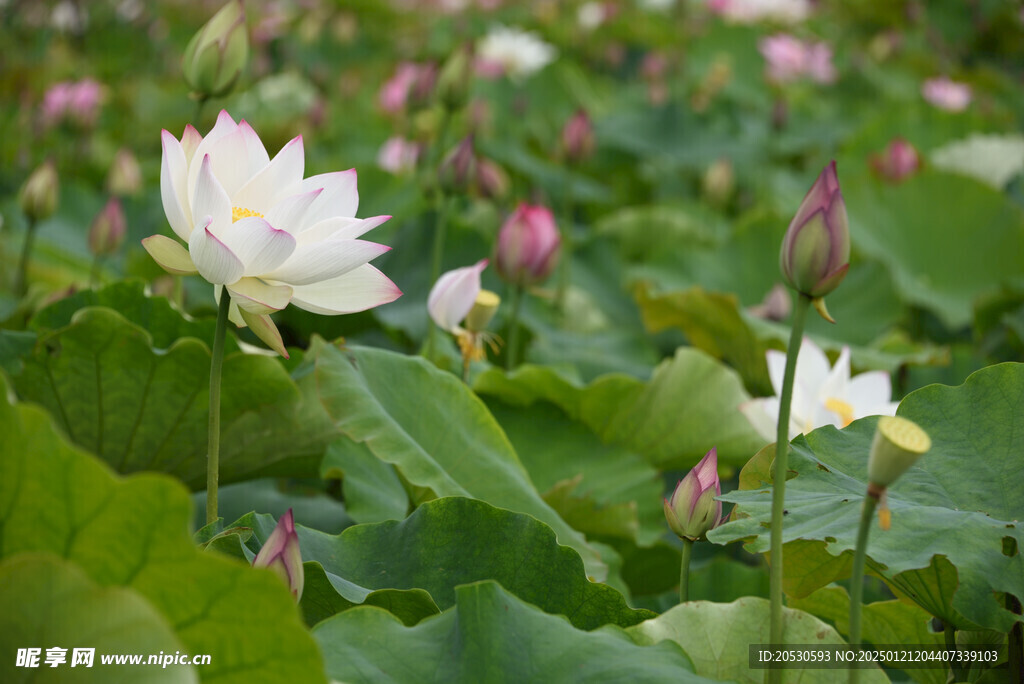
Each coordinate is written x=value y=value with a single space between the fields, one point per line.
x=692 y=510
x=457 y=171
x=491 y=180
x=108 y=229
x=528 y=246
x=898 y=162
x=578 y=137
x=281 y=554
x=815 y=252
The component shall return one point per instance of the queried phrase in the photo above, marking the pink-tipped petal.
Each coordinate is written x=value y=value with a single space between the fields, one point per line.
x=209 y=199
x=174 y=185
x=325 y=260
x=258 y=245
x=340 y=228
x=453 y=295
x=361 y=288
x=289 y=214
x=277 y=180
x=255 y=151
x=214 y=261
x=339 y=198
x=190 y=140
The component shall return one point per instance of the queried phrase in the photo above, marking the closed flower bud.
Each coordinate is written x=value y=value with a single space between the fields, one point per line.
x=452 y=89
x=719 y=182
x=107 y=230
x=528 y=246
x=217 y=53
x=578 y=137
x=125 y=176
x=281 y=554
x=816 y=249
x=692 y=509
x=898 y=161
x=457 y=171
x=491 y=180
x=897 y=445
x=40 y=193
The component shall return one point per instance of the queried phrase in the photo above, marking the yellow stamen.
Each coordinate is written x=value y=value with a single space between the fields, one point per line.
x=841 y=409
x=242 y=212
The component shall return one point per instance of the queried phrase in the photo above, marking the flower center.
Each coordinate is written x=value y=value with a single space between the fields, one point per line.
x=841 y=409
x=241 y=213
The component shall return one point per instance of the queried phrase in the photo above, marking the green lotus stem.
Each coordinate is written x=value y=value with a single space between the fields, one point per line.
x=512 y=353
x=567 y=245
x=200 y=102
x=779 y=479
x=867 y=513
x=21 y=277
x=684 y=571
x=949 y=635
x=213 y=437
x=94 y=272
x=1015 y=639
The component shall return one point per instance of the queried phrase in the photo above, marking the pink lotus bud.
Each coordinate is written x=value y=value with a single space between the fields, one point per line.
x=395 y=91
x=107 y=230
x=578 y=137
x=40 y=193
x=897 y=162
x=491 y=180
x=786 y=57
x=281 y=554
x=457 y=171
x=125 y=177
x=946 y=94
x=528 y=245
x=816 y=249
x=692 y=509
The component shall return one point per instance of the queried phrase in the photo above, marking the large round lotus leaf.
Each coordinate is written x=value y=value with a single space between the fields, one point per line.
x=955 y=514
x=717 y=637
x=490 y=635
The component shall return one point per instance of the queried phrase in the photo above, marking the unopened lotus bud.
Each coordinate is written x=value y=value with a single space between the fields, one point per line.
x=528 y=246
x=456 y=174
x=692 y=510
x=125 y=177
x=454 y=78
x=897 y=445
x=484 y=308
x=40 y=192
x=107 y=230
x=898 y=161
x=491 y=180
x=217 y=53
x=578 y=137
x=719 y=182
x=815 y=252
x=281 y=554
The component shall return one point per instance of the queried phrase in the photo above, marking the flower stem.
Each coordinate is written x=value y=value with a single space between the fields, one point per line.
x=94 y=273
x=21 y=277
x=867 y=513
x=781 y=469
x=684 y=571
x=213 y=437
x=512 y=353
x=567 y=245
x=197 y=119
x=956 y=673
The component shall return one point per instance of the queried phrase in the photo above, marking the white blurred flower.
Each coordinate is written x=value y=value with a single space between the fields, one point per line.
x=590 y=15
x=656 y=5
x=752 y=11
x=257 y=229
x=398 y=155
x=821 y=395
x=992 y=159
x=516 y=52
x=453 y=295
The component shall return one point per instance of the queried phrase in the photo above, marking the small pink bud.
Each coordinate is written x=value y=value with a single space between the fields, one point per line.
x=815 y=252
x=692 y=510
x=457 y=171
x=899 y=161
x=281 y=554
x=491 y=180
x=107 y=230
x=946 y=94
x=578 y=137
x=528 y=246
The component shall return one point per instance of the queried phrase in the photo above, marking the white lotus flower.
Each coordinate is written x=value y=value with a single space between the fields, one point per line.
x=821 y=395
x=516 y=52
x=453 y=296
x=253 y=225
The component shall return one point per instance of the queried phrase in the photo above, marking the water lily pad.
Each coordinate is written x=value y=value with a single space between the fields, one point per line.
x=434 y=430
x=490 y=635
x=133 y=533
x=959 y=506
